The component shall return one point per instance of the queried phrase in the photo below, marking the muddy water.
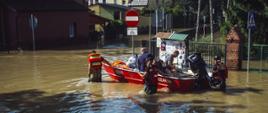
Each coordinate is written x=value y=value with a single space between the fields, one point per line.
x=56 y=81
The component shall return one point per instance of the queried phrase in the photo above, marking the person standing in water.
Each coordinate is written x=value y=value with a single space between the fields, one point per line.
x=150 y=76
x=220 y=71
x=94 y=66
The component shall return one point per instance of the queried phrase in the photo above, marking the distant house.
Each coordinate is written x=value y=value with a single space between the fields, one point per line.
x=114 y=13
x=56 y=22
x=109 y=11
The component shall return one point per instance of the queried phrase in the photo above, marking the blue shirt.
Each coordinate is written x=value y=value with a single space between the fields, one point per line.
x=142 y=60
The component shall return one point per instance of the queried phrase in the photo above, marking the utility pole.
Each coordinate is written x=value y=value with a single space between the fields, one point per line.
x=156 y=21
x=156 y=16
x=211 y=20
x=197 y=20
x=163 y=19
x=150 y=28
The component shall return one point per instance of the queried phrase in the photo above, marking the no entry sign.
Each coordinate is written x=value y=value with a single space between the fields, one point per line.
x=132 y=18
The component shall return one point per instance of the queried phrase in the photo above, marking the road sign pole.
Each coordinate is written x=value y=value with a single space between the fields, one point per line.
x=132 y=44
x=150 y=28
x=249 y=33
x=33 y=34
x=250 y=24
x=249 y=38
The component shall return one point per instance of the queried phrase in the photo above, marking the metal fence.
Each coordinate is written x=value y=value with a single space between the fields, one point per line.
x=258 y=57
x=208 y=51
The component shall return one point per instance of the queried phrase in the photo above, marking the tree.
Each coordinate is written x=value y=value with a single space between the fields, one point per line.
x=236 y=14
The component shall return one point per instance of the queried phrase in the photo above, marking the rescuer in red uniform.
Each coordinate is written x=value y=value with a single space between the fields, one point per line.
x=94 y=66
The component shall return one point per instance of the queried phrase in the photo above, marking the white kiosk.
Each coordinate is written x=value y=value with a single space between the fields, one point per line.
x=169 y=42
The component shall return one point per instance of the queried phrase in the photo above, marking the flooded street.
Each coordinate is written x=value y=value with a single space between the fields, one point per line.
x=56 y=81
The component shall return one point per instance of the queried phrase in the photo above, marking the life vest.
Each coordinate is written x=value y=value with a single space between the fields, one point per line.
x=95 y=60
x=120 y=64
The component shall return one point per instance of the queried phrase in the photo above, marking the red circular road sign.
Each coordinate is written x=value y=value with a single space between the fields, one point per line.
x=132 y=18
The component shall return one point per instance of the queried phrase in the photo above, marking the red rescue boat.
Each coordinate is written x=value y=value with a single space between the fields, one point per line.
x=183 y=83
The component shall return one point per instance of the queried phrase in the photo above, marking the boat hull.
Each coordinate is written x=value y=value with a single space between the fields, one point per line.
x=184 y=83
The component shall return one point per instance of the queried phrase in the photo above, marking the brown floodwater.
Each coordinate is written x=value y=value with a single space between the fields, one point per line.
x=56 y=81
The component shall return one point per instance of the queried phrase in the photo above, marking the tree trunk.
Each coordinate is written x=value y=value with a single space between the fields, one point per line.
x=197 y=20
x=228 y=2
x=211 y=20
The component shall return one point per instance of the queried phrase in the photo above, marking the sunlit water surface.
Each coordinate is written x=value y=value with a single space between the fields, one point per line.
x=56 y=81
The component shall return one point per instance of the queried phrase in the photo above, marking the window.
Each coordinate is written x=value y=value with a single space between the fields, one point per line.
x=123 y=2
x=72 y=30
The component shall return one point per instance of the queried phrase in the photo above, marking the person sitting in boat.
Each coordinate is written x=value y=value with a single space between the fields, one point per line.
x=171 y=68
x=94 y=66
x=132 y=61
x=150 y=75
x=142 y=59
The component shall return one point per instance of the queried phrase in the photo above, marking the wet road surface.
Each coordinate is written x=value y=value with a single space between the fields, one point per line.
x=56 y=81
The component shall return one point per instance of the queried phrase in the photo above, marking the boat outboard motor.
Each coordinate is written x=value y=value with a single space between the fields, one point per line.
x=198 y=66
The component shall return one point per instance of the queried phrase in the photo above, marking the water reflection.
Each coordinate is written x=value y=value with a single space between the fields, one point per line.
x=149 y=104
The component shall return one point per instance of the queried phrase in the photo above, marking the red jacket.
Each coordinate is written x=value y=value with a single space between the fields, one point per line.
x=95 y=60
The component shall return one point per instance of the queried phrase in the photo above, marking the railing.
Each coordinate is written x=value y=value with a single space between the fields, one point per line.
x=208 y=51
x=258 y=57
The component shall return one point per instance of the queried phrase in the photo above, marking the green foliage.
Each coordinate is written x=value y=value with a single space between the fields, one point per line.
x=237 y=15
x=266 y=11
x=175 y=10
x=224 y=28
x=205 y=39
x=118 y=22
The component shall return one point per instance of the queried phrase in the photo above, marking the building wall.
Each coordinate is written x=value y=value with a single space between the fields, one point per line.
x=83 y=2
x=11 y=29
x=52 y=29
x=2 y=31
